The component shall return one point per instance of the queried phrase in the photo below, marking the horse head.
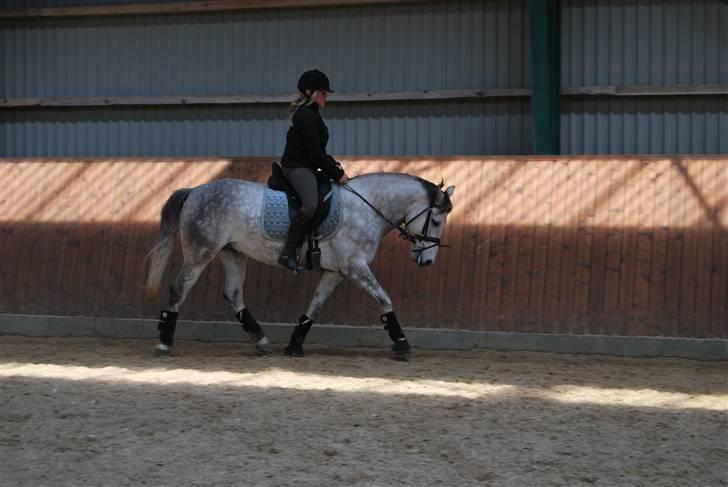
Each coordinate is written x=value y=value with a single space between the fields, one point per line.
x=426 y=223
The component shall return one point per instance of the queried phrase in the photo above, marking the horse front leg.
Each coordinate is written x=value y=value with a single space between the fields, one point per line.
x=235 y=266
x=327 y=284
x=363 y=277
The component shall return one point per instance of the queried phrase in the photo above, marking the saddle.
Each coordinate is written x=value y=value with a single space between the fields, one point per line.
x=278 y=182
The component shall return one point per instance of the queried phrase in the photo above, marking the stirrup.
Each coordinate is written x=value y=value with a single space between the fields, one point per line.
x=290 y=263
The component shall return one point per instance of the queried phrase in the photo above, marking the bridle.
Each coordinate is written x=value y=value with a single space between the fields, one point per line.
x=402 y=227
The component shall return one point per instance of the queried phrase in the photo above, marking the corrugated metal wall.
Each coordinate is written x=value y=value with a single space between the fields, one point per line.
x=73 y=3
x=612 y=246
x=422 y=46
x=645 y=125
x=637 y=42
x=428 y=46
x=498 y=127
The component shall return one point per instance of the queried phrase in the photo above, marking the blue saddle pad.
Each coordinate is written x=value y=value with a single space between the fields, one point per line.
x=276 y=219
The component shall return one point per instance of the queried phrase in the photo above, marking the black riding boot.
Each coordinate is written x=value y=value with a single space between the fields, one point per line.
x=296 y=233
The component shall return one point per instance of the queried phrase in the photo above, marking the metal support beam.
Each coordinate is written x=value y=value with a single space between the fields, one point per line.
x=375 y=97
x=142 y=8
x=545 y=19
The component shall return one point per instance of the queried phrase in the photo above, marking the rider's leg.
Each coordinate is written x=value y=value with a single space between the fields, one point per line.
x=296 y=233
x=304 y=182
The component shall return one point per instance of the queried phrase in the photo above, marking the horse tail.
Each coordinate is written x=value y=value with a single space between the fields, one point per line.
x=160 y=253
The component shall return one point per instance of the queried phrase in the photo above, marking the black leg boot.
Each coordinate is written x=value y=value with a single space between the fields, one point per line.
x=296 y=233
x=295 y=346
x=250 y=325
x=401 y=346
x=167 y=324
x=253 y=329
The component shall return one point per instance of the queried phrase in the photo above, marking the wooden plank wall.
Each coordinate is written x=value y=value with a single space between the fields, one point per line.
x=600 y=245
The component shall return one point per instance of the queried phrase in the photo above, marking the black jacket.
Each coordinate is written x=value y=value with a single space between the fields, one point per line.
x=306 y=143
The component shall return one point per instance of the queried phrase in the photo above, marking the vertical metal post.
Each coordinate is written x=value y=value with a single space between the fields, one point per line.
x=545 y=26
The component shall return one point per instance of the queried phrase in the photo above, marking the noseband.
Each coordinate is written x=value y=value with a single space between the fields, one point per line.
x=402 y=227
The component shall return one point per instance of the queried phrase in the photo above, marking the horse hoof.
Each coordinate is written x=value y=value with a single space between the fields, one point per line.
x=263 y=346
x=401 y=346
x=163 y=350
x=293 y=350
x=401 y=350
x=401 y=356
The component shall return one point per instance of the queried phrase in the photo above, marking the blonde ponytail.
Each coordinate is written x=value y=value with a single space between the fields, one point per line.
x=300 y=101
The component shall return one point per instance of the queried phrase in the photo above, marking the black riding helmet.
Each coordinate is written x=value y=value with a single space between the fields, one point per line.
x=314 y=80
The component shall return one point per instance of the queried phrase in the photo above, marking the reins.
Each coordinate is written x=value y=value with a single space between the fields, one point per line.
x=402 y=227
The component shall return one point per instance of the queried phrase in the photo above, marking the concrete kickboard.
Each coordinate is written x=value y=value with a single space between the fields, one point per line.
x=361 y=336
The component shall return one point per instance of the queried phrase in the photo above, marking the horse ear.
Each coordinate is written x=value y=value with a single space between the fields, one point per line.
x=450 y=190
x=442 y=183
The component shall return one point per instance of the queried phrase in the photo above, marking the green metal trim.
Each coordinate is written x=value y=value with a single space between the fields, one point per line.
x=545 y=28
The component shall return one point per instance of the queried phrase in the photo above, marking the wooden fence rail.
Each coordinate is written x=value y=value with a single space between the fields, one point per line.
x=597 y=245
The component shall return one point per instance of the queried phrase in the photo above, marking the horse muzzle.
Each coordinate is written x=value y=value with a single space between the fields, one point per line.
x=421 y=261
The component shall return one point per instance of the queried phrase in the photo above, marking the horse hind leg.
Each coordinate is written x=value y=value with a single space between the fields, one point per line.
x=186 y=278
x=235 y=265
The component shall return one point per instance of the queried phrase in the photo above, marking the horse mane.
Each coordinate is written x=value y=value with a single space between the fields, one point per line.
x=433 y=190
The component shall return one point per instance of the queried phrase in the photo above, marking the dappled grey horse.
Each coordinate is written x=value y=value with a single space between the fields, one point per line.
x=223 y=218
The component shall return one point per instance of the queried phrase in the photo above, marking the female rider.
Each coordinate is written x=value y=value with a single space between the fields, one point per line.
x=305 y=153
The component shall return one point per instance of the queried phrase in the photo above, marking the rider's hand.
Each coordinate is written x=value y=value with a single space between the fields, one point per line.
x=344 y=179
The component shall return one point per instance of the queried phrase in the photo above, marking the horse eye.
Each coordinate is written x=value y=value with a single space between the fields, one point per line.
x=436 y=223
